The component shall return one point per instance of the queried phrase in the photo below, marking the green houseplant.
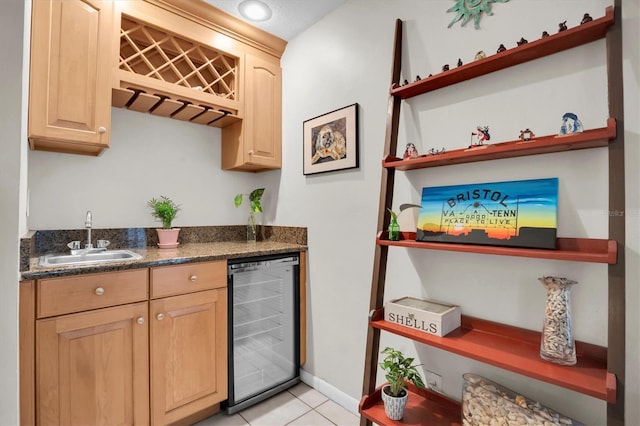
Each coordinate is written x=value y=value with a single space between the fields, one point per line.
x=165 y=210
x=399 y=371
x=255 y=206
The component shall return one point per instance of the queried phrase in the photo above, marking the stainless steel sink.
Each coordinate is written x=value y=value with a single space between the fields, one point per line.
x=103 y=256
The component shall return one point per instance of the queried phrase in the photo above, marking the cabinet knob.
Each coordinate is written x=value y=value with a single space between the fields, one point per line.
x=102 y=129
x=140 y=320
x=193 y=278
x=250 y=152
x=99 y=291
x=160 y=316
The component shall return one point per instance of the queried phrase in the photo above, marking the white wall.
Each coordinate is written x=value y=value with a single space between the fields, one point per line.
x=12 y=127
x=346 y=58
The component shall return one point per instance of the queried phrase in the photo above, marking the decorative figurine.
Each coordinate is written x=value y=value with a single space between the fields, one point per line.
x=430 y=75
x=501 y=48
x=482 y=134
x=480 y=55
x=410 y=151
x=562 y=26
x=586 y=18
x=406 y=81
x=434 y=151
x=459 y=62
x=445 y=67
x=418 y=78
x=545 y=34
x=570 y=124
x=522 y=41
x=526 y=135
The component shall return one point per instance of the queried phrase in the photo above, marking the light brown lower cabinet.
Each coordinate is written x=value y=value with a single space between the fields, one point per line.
x=188 y=354
x=98 y=349
x=92 y=368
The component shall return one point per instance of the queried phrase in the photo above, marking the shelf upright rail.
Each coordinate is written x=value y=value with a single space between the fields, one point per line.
x=386 y=199
x=617 y=217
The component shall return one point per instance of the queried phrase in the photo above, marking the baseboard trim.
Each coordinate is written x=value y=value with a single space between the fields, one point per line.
x=330 y=391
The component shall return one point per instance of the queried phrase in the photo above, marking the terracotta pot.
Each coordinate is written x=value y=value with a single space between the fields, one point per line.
x=394 y=405
x=168 y=238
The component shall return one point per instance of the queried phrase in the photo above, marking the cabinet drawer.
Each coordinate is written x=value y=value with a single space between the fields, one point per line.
x=58 y=296
x=181 y=279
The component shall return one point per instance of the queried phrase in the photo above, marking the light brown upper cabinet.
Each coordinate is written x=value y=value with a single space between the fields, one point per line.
x=181 y=59
x=255 y=143
x=70 y=76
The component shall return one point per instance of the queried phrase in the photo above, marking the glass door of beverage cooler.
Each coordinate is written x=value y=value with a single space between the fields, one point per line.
x=264 y=343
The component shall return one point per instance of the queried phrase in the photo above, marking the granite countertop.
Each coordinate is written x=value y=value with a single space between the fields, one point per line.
x=191 y=250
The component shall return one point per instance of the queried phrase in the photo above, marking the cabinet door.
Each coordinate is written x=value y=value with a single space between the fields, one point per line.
x=256 y=142
x=70 y=81
x=188 y=354
x=93 y=367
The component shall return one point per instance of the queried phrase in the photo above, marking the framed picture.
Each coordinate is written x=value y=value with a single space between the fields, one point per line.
x=516 y=213
x=331 y=141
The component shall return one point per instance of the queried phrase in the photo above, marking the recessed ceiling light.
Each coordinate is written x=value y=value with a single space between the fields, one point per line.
x=254 y=10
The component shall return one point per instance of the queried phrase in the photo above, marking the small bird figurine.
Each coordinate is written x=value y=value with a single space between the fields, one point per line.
x=459 y=62
x=418 y=78
x=501 y=48
x=562 y=26
x=586 y=18
x=522 y=41
x=445 y=67
x=545 y=34
x=406 y=82
x=480 y=55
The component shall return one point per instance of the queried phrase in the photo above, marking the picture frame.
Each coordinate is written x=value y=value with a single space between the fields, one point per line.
x=331 y=141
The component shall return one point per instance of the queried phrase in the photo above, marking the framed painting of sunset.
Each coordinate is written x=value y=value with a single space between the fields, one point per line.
x=520 y=213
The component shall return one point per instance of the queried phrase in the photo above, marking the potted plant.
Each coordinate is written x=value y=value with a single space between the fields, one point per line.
x=255 y=207
x=165 y=210
x=394 y=227
x=398 y=372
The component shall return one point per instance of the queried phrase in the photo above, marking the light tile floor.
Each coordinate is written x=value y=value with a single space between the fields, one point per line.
x=301 y=405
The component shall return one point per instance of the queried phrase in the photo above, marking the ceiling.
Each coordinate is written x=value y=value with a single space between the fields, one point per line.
x=290 y=17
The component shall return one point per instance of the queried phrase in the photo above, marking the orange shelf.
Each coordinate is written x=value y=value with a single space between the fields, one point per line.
x=518 y=350
x=423 y=408
x=574 y=249
x=593 y=138
x=572 y=37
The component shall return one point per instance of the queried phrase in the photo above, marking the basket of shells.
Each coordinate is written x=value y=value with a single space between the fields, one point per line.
x=487 y=403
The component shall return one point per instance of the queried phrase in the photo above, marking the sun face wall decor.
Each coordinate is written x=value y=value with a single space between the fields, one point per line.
x=465 y=9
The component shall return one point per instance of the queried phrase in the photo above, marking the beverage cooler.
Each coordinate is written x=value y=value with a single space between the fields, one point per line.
x=264 y=328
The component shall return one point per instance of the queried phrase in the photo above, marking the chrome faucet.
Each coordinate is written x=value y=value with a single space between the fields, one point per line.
x=75 y=246
x=88 y=224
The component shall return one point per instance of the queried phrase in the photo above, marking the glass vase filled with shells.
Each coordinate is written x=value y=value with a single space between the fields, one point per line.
x=557 y=344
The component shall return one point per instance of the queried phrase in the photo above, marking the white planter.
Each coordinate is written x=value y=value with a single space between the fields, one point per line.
x=394 y=406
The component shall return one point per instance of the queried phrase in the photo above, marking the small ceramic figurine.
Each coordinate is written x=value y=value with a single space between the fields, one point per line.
x=501 y=48
x=586 y=18
x=481 y=134
x=480 y=55
x=410 y=151
x=406 y=82
x=445 y=67
x=418 y=78
x=526 y=135
x=430 y=75
x=434 y=151
x=562 y=26
x=545 y=34
x=459 y=62
x=522 y=41
x=570 y=124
